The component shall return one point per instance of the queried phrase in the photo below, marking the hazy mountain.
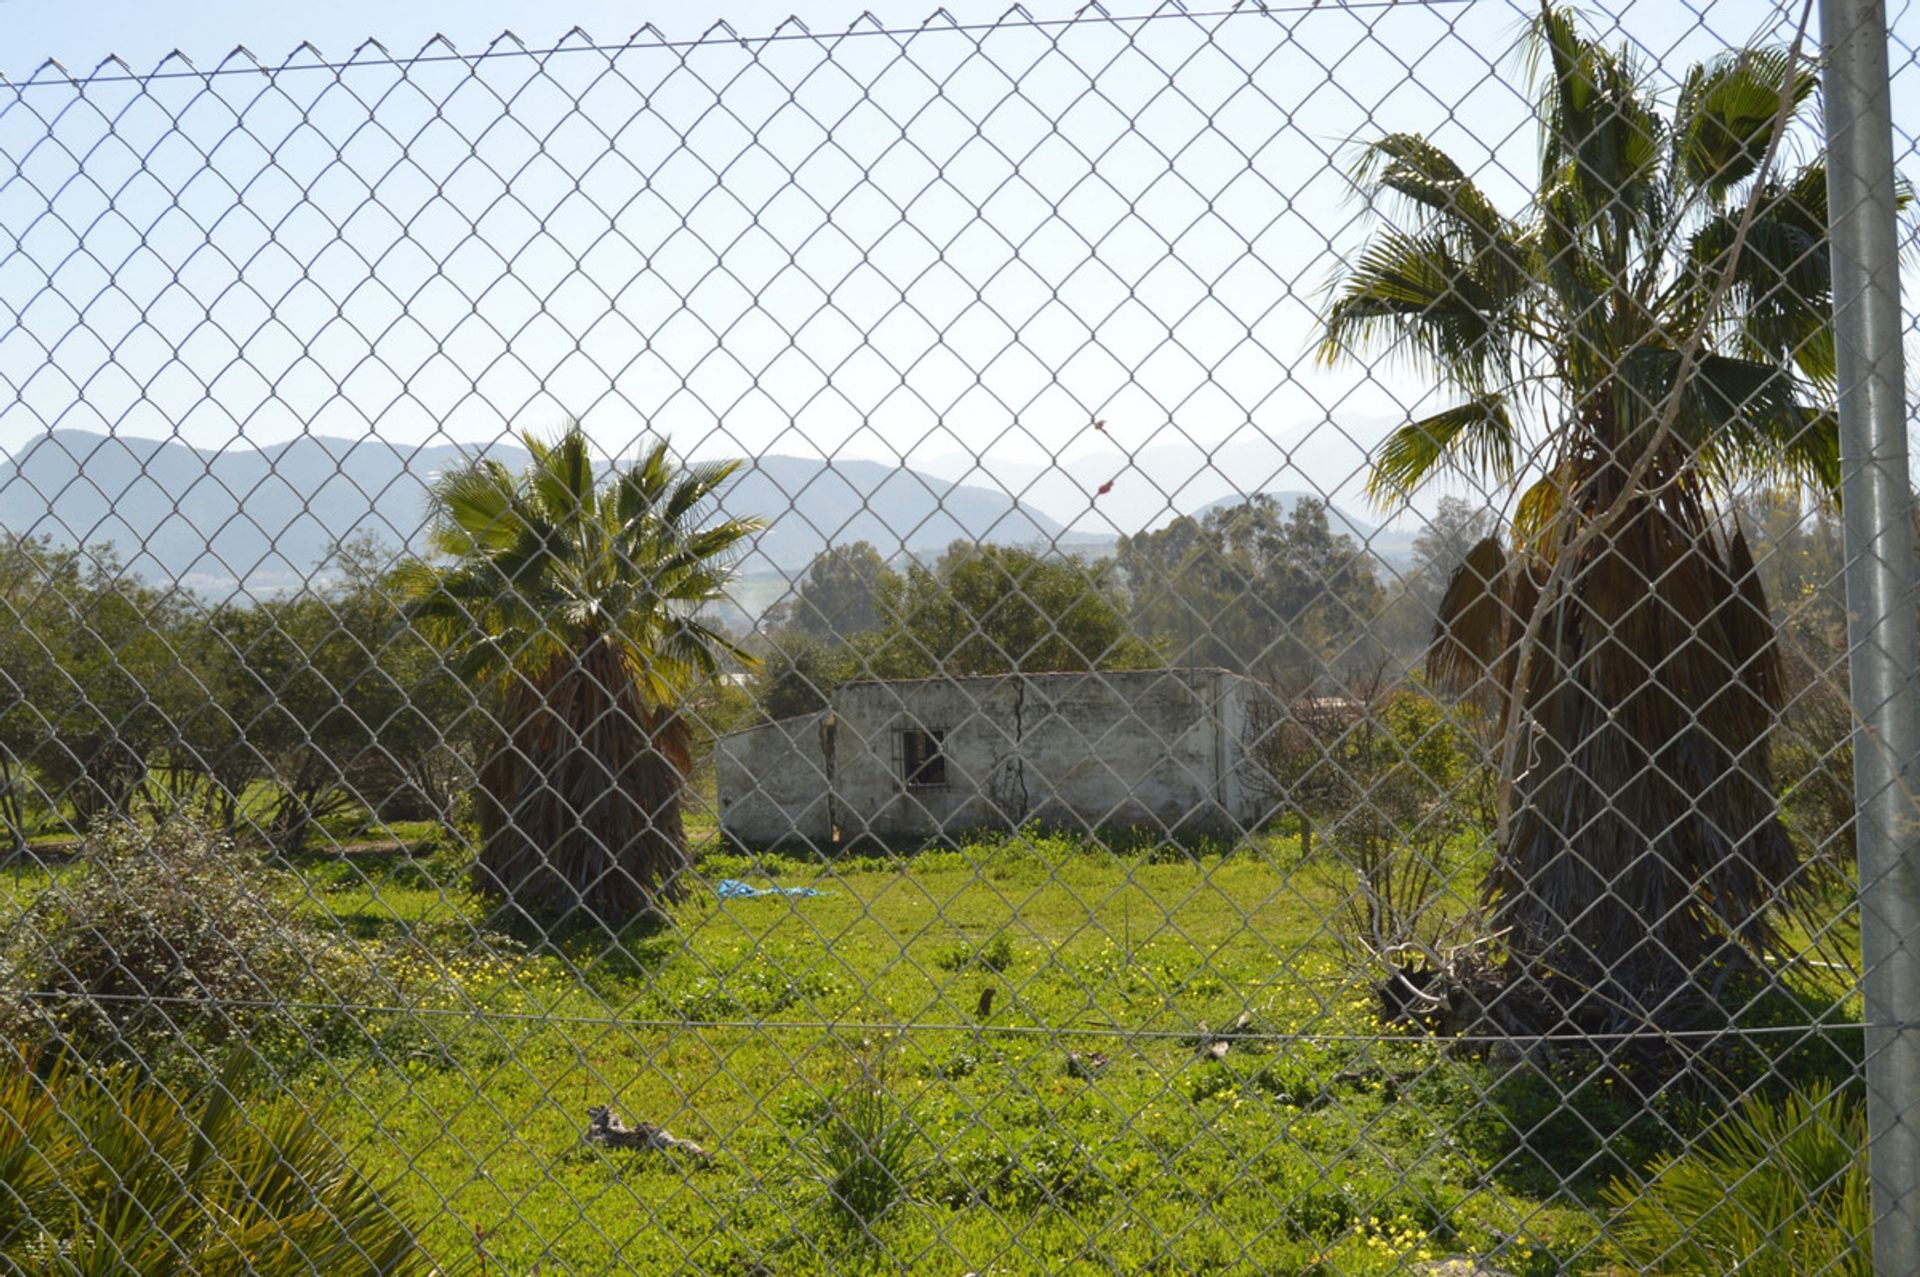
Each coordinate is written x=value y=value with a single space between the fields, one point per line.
x=262 y=518
x=1173 y=475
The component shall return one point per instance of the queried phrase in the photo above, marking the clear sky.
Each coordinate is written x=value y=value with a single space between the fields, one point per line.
x=905 y=242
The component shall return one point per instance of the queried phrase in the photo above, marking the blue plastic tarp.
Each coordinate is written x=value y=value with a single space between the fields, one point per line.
x=734 y=889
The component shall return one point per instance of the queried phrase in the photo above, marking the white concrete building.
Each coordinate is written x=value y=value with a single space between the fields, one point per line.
x=910 y=761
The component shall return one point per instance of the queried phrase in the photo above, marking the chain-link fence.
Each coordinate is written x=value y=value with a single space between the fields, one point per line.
x=1208 y=641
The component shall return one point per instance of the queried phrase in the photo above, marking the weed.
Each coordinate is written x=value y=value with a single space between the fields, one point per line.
x=865 y=1154
x=995 y=955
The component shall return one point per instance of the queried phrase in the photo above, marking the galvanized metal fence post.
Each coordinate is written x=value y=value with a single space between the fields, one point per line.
x=1880 y=606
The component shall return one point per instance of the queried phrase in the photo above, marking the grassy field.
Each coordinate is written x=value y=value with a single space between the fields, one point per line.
x=740 y=1028
x=1322 y=1142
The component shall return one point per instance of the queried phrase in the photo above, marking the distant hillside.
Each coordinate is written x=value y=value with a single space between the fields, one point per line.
x=263 y=518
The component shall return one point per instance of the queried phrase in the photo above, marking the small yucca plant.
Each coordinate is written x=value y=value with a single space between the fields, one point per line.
x=1780 y=1189
x=865 y=1153
x=112 y=1174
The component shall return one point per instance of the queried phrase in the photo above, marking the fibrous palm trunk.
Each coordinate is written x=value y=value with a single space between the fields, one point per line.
x=1644 y=853
x=580 y=805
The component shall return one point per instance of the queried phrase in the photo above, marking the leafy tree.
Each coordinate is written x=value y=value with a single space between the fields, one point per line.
x=1255 y=588
x=815 y=637
x=988 y=609
x=1624 y=354
x=1442 y=545
x=334 y=700
x=574 y=605
x=797 y=672
x=102 y=681
x=36 y=580
x=839 y=595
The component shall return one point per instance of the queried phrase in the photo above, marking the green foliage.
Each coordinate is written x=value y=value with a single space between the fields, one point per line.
x=112 y=1174
x=169 y=937
x=94 y=676
x=575 y=607
x=988 y=609
x=335 y=700
x=995 y=955
x=841 y=594
x=1778 y=1188
x=982 y=609
x=865 y=1154
x=1253 y=588
x=798 y=673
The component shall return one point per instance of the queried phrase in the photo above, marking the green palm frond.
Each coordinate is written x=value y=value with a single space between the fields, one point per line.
x=1412 y=295
x=474 y=509
x=1738 y=417
x=1601 y=127
x=560 y=480
x=1725 y=116
x=1781 y=301
x=1478 y=436
x=1430 y=180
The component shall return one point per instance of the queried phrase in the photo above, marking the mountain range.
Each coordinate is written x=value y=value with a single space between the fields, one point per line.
x=262 y=519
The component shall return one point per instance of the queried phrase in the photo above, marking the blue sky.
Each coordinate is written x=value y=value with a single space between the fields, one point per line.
x=905 y=244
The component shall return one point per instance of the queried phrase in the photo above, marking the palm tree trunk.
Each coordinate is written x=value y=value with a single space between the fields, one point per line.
x=580 y=804
x=1645 y=850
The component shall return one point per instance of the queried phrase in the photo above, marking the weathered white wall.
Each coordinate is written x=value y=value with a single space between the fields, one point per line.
x=773 y=782
x=1154 y=749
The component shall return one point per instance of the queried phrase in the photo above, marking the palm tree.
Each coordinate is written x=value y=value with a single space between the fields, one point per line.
x=575 y=607
x=1653 y=326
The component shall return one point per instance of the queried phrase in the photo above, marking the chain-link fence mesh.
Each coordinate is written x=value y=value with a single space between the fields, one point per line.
x=1211 y=641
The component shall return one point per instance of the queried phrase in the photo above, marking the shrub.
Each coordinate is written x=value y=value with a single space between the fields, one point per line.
x=168 y=932
x=110 y=1173
x=1779 y=1189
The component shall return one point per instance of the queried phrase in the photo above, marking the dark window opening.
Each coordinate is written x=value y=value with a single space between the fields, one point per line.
x=922 y=763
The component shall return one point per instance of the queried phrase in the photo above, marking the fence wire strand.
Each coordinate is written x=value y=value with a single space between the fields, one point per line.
x=1208 y=640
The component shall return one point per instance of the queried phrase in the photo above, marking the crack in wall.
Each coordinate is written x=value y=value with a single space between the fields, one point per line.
x=1020 y=747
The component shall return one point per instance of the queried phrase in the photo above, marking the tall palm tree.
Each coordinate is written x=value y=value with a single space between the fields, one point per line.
x=1623 y=354
x=575 y=606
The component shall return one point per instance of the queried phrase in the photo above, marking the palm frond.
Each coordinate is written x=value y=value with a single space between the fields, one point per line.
x=1781 y=302
x=1724 y=118
x=1601 y=127
x=475 y=509
x=1471 y=622
x=699 y=480
x=1414 y=296
x=561 y=477
x=1478 y=436
x=1536 y=515
x=1431 y=181
x=1738 y=417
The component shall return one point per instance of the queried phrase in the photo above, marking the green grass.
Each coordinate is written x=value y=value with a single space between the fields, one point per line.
x=737 y=1028
x=1332 y=1145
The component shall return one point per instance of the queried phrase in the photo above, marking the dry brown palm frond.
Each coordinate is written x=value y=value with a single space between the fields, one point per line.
x=1645 y=848
x=1751 y=636
x=1468 y=631
x=581 y=815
